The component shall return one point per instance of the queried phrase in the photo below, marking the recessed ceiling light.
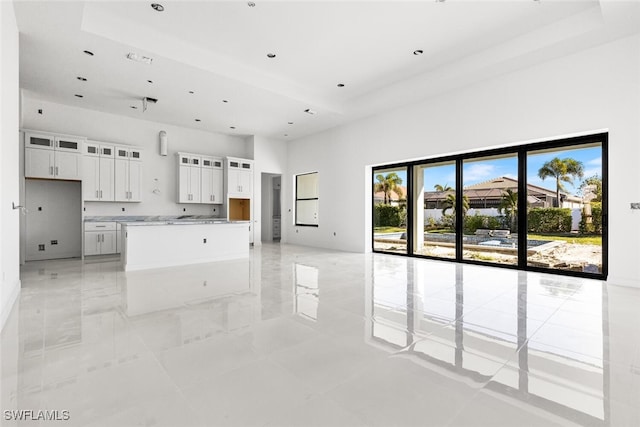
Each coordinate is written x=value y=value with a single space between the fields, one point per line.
x=271 y=55
x=251 y=4
x=88 y=52
x=191 y=92
x=82 y=79
x=340 y=84
x=139 y=58
x=157 y=7
x=149 y=81
x=225 y=101
x=418 y=52
x=79 y=96
x=197 y=120
x=134 y=107
x=232 y=127
x=290 y=123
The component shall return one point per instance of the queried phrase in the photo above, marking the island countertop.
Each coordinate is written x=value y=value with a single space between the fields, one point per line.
x=157 y=244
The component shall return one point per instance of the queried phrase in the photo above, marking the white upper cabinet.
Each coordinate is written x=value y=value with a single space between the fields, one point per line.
x=211 y=173
x=128 y=174
x=239 y=177
x=189 y=178
x=52 y=156
x=98 y=172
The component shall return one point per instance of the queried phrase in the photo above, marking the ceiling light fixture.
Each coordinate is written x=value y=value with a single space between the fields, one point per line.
x=197 y=120
x=82 y=79
x=191 y=92
x=79 y=96
x=139 y=58
x=271 y=55
x=157 y=7
x=290 y=123
x=232 y=127
x=309 y=111
x=88 y=52
x=149 y=81
x=340 y=84
x=225 y=101
x=418 y=52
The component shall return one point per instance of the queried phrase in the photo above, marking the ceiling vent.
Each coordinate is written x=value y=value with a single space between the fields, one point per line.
x=146 y=100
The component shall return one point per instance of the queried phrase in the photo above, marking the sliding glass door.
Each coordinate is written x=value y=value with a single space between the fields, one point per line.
x=390 y=210
x=539 y=207
x=489 y=208
x=434 y=204
x=564 y=210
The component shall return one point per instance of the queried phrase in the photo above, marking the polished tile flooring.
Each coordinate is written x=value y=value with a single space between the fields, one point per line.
x=298 y=336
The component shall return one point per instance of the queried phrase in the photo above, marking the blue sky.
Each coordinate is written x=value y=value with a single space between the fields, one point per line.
x=483 y=170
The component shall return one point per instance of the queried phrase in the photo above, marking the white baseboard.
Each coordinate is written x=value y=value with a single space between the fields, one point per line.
x=623 y=281
x=7 y=306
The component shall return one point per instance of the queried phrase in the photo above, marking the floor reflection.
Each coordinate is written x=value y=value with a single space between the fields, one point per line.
x=305 y=336
x=496 y=335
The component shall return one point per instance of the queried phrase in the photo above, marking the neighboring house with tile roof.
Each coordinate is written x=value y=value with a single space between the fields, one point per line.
x=488 y=194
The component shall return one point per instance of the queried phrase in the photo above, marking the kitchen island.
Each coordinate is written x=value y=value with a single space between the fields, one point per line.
x=156 y=244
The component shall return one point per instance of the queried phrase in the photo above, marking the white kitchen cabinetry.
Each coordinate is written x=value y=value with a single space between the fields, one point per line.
x=98 y=172
x=128 y=174
x=211 y=173
x=51 y=156
x=189 y=178
x=100 y=238
x=239 y=177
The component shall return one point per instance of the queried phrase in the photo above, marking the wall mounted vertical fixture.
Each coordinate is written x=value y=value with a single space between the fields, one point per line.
x=163 y=143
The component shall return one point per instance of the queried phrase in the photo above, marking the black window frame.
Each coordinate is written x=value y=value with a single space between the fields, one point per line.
x=521 y=151
x=297 y=224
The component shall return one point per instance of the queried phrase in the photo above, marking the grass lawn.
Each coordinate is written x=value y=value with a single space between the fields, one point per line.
x=570 y=238
x=389 y=229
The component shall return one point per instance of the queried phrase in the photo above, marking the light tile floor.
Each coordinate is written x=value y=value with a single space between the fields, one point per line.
x=297 y=336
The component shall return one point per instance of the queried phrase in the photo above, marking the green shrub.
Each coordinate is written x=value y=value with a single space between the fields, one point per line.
x=549 y=220
x=596 y=220
x=388 y=215
x=472 y=223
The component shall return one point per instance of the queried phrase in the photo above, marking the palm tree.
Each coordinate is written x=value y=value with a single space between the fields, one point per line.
x=450 y=203
x=388 y=183
x=509 y=205
x=563 y=171
x=439 y=187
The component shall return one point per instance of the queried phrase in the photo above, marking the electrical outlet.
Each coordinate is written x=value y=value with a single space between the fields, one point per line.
x=122 y=209
x=41 y=247
x=635 y=205
x=54 y=242
x=204 y=240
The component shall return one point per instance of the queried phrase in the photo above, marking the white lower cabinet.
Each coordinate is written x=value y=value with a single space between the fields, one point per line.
x=100 y=238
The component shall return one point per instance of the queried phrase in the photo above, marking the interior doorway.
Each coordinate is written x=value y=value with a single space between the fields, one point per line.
x=271 y=208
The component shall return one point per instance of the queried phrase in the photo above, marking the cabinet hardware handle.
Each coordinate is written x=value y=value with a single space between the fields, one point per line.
x=101 y=194
x=50 y=170
x=56 y=170
x=97 y=195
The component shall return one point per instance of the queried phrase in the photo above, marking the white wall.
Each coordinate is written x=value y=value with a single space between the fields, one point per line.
x=592 y=90
x=9 y=161
x=270 y=156
x=140 y=133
